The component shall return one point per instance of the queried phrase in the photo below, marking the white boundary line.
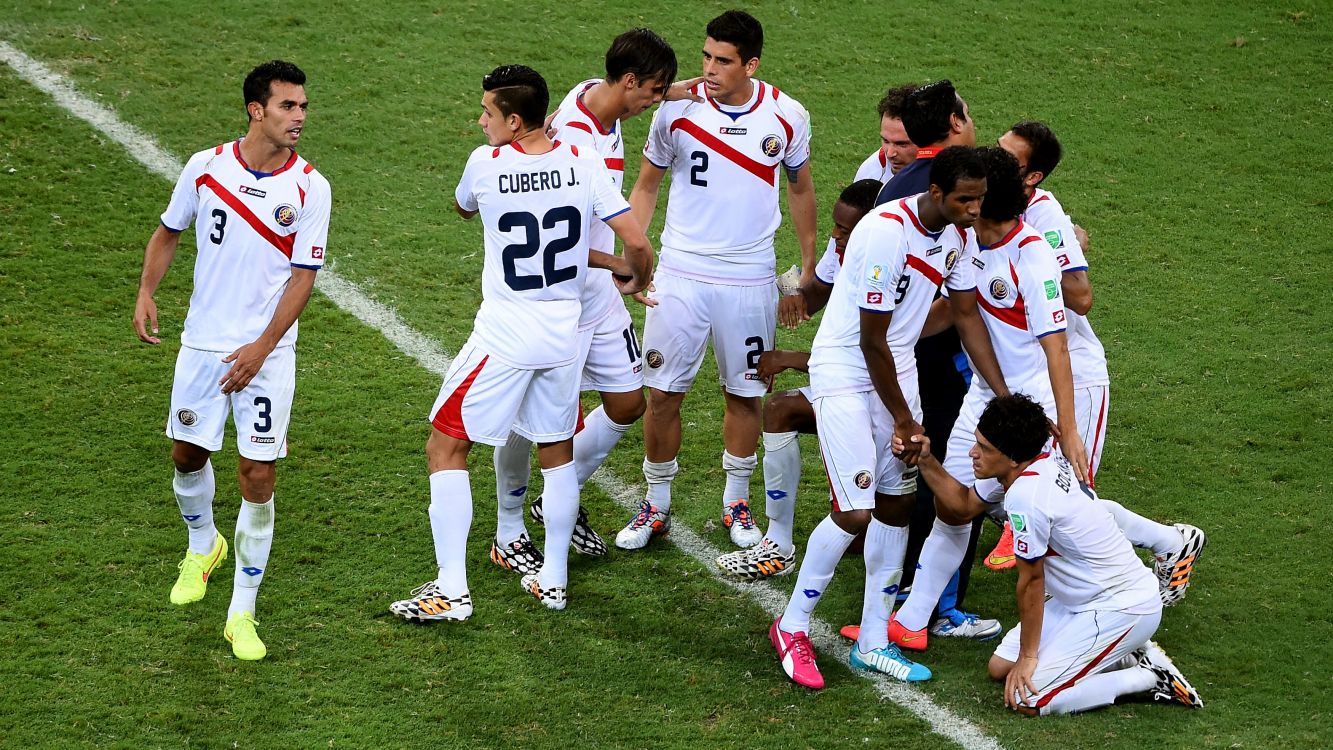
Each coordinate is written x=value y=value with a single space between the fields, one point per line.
x=433 y=358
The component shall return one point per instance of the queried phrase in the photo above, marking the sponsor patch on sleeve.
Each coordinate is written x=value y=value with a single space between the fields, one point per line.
x=1058 y=316
x=1052 y=289
x=1056 y=239
x=874 y=298
x=875 y=277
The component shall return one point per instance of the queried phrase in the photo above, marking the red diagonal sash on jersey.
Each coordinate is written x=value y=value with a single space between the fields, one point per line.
x=926 y=270
x=1015 y=316
x=762 y=171
x=284 y=244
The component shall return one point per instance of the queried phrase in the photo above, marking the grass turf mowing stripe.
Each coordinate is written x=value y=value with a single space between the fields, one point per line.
x=432 y=357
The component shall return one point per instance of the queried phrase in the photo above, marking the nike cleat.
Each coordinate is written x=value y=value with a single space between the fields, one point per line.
x=760 y=561
x=586 y=540
x=887 y=660
x=737 y=517
x=520 y=555
x=240 y=633
x=912 y=640
x=646 y=524
x=1174 y=570
x=552 y=598
x=1002 y=557
x=429 y=603
x=958 y=624
x=797 y=656
x=192 y=583
x=1171 y=687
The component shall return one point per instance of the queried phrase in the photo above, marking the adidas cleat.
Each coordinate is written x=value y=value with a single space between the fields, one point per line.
x=1002 y=557
x=646 y=524
x=192 y=583
x=738 y=519
x=797 y=656
x=760 y=561
x=240 y=633
x=586 y=540
x=429 y=603
x=958 y=624
x=520 y=555
x=887 y=660
x=1174 y=570
x=1171 y=687
x=552 y=598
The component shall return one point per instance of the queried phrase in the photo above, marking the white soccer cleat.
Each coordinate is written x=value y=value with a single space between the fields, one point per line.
x=645 y=524
x=760 y=561
x=1174 y=571
x=958 y=624
x=552 y=598
x=429 y=603
x=1171 y=687
x=738 y=519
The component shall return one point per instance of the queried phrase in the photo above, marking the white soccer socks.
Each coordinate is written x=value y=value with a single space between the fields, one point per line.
x=194 y=497
x=1097 y=690
x=822 y=553
x=254 y=539
x=738 y=478
x=513 y=463
x=1142 y=532
x=450 y=520
x=782 y=473
x=884 y=551
x=560 y=506
x=940 y=557
x=594 y=442
x=659 y=476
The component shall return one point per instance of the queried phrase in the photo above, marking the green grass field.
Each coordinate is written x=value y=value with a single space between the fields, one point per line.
x=1194 y=157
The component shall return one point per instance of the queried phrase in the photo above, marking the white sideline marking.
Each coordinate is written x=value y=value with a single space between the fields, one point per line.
x=433 y=358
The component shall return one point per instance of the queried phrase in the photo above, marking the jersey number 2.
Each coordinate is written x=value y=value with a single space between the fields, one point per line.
x=531 y=245
x=696 y=171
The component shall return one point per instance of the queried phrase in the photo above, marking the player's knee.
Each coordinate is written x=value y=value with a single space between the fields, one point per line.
x=894 y=510
x=664 y=404
x=851 y=521
x=624 y=408
x=949 y=514
x=999 y=668
x=744 y=405
x=788 y=412
x=188 y=457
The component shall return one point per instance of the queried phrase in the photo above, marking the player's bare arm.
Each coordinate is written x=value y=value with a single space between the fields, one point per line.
x=249 y=359
x=638 y=253
x=1018 y=688
x=1077 y=291
x=950 y=495
x=776 y=361
x=463 y=212
x=681 y=90
x=972 y=332
x=874 y=343
x=1056 y=347
x=157 y=257
x=801 y=205
x=643 y=198
x=816 y=294
x=939 y=319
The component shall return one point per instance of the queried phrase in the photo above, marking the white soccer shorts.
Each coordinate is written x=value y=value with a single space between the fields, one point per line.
x=741 y=321
x=610 y=358
x=855 y=437
x=483 y=399
x=1075 y=645
x=963 y=436
x=1090 y=407
x=262 y=410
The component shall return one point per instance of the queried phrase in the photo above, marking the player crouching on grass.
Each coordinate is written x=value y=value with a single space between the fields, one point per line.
x=1087 y=605
x=518 y=370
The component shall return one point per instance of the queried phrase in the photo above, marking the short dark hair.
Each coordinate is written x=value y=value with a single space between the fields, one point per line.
x=1016 y=425
x=1046 y=150
x=1005 y=198
x=643 y=53
x=258 y=85
x=861 y=195
x=741 y=29
x=956 y=163
x=926 y=112
x=519 y=90
x=891 y=104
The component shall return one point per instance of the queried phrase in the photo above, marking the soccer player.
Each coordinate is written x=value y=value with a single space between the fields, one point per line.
x=716 y=275
x=518 y=370
x=863 y=379
x=1017 y=297
x=789 y=413
x=1087 y=605
x=1175 y=548
x=262 y=221
x=640 y=67
x=896 y=150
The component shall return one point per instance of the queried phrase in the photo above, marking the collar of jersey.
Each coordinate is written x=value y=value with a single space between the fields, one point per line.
x=917 y=222
x=1005 y=239
x=578 y=101
x=236 y=150
x=758 y=99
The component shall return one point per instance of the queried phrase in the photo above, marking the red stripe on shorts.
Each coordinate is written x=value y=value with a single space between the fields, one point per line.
x=449 y=419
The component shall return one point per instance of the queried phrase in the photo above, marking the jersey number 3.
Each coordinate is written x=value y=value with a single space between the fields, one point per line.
x=531 y=245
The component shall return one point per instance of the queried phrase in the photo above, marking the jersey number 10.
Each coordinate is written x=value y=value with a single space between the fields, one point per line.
x=531 y=245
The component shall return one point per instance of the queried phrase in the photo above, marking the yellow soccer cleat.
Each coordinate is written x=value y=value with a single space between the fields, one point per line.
x=192 y=582
x=245 y=643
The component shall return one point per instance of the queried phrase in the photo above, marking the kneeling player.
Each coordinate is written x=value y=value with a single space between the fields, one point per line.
x=1087 y=644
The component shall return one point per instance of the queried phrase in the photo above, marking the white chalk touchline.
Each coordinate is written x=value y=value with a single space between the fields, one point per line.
x=433 y=358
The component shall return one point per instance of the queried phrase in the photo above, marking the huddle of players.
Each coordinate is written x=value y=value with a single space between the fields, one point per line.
x=550 y=326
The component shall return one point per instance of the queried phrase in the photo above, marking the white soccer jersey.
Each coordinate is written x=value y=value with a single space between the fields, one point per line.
x=251 y=229
x=535 y=210
x=576 y=125
x=1089 y=562
x=892 y=264
x=726 y=164
x=1087 y=356
x=1018 y=295
x=875 y=167
x=826 y=270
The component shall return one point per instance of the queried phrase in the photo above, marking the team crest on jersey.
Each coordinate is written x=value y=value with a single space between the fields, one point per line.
x=187 y=417
x=950 y=260
x=654 y=358
x=863 y=479
x=999 y=289
x=285 y=215
x=256 y=192
x=771 y=145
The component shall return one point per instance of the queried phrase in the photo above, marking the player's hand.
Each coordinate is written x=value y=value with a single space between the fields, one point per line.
x=546 y=125
x=792 y=310
x=642 y=297
x=1071 y=444
x=246 y=363
x=681 y=90
x=145 y=309
x=1019 y=692
x=1081 y=235
x=770 y=364
x=909 y=439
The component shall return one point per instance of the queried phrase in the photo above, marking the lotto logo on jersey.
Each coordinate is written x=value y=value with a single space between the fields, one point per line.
x=772 y=145
x=316 y=252
x=1021 y=547
x=874 y=298
x=1058 y=316
x=285 y=215
x=1064 y=259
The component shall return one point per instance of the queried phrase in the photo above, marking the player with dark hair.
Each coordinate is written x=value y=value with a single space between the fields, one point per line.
x=715 y=281
x=262 y=220
x=896 y=149
x=1087 y=605
x=518 y=370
